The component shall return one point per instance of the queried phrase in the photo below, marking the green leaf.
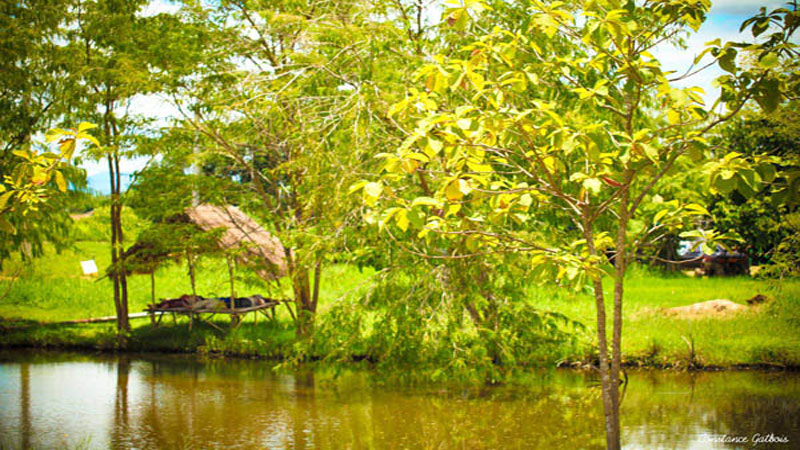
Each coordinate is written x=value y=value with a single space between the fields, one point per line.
x=357 y=186
x=397 y=107
x=4 y=199
x=766 y=172
x=769 y=61
x=424 y=201
x=464 y=186
x=674 y=117
x=592 y=184
x=85 y=126
x=60 y=181
x=67 y=147
x=650 y=152
x=697 y=209
x=416 y=218
x=402 y=219
x=726 y=185
x=91 y=139
x=464 y=124
x=769 y=95
x=692 y=234
x=435 y=145
x=727 y=61
x=453 y=191
x=55 y=134
x=6 y=226
x=372 y=191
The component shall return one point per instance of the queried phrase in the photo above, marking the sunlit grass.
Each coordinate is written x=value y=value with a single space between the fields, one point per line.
x=769 y=334
x=53 y=290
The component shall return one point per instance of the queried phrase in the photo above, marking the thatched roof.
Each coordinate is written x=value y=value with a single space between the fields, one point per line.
x=260 y=249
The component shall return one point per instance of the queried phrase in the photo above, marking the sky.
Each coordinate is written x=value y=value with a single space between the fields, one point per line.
x=723 y=22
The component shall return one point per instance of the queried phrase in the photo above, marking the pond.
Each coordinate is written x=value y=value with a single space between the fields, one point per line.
x=67 y=400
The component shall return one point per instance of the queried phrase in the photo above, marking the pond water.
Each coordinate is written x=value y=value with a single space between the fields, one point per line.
x=66 y=400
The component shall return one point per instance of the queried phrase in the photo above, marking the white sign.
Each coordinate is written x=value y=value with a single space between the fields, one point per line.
x=89 y=267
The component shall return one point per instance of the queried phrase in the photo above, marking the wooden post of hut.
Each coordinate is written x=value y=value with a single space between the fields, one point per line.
x=190 y=261
x=231 y=274
x=153 y=286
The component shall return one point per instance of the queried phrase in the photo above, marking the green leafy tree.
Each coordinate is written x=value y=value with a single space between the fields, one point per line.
x=548 y=139
x=757 y=213
x=117 y=54
x=33 y=91
x=35 y=81
x=33 y=192
x=292 y=95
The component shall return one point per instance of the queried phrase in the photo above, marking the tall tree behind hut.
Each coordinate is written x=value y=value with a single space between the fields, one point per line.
x=300 y=95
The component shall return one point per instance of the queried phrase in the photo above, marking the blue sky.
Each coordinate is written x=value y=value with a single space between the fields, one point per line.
x=723 y=22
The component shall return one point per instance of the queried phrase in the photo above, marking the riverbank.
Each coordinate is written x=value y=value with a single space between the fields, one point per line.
x=53 y=290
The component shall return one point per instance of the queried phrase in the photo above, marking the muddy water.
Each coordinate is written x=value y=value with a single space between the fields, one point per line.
x=63 y=400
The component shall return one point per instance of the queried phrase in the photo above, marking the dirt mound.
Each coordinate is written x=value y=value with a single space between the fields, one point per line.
x=709 y=308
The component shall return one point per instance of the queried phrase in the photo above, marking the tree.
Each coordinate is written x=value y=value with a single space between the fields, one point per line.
x=757 y=214
x=34 y=83
x=548 y=139
x=35 y=187
x=33 y=89
x=292 y=95
x=117 y=54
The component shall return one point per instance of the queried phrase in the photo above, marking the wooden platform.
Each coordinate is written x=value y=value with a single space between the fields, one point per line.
x=267 y=309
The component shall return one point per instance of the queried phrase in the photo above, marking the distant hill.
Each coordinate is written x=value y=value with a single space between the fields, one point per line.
x=101 y=182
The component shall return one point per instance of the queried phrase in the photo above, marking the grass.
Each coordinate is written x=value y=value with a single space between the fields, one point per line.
x=52 y=289
x=767 y=335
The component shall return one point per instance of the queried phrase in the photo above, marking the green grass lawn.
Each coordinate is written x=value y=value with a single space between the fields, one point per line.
x=52 y=289
x=769 y=334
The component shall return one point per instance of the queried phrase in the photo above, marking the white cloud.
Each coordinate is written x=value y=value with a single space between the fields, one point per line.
x=157 y=7
x=155 y=107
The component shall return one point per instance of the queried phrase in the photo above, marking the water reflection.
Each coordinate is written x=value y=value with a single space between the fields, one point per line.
x=168 y=402
x=25 y=403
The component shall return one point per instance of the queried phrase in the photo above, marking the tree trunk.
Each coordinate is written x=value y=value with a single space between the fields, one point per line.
x=123 y=278
x=610 y=386
x=115 y=269
x=302 y=296
x=304 y=304
x=620 y=266
x=153 y=286
x=117 y=273
x=317 y=277
x=190 y=262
